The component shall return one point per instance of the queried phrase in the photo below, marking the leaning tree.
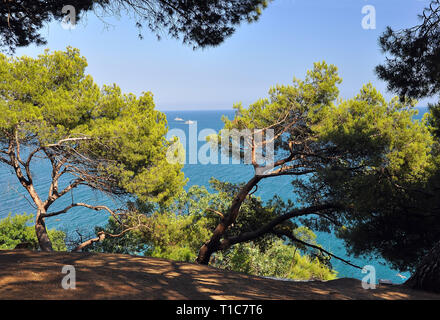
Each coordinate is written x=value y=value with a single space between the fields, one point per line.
x=199 y=23
x=412 y=69
x=312 y=134
x=92 y=137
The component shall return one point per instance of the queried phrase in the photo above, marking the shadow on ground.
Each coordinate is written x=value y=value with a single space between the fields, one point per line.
x=37 y=275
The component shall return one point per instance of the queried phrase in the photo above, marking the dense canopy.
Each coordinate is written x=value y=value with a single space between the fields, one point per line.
x=327 y=145
x=199 y=23
x=91 y=136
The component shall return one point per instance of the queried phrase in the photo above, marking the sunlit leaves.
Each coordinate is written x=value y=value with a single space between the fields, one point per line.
x=114 y=142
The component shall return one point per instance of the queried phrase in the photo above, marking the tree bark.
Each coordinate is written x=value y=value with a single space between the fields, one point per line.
x=427 y=274
x=41 y=232
x=213 y=244
x=99 y=238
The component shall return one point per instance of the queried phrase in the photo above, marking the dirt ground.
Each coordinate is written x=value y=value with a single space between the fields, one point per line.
x=38 y=275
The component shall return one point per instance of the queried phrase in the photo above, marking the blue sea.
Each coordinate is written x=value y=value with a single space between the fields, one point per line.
x=13 y=197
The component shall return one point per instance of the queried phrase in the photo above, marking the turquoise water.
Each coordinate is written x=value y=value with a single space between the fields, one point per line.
x=12 y=195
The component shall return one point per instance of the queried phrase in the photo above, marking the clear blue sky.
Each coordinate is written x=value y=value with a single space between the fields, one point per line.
x=288 y=38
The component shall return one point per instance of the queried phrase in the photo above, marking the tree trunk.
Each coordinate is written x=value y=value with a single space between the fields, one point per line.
x=42 y=236
x=214 y=243
x=427 y=274
x=211 y=246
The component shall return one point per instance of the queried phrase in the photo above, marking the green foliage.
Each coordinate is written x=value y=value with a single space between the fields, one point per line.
x=96 y=137
x=433 y=118
x=129 y=243
x=278 y=260
x=374 y=133
x=111 y=141
x=359 y=155
x=395 y=155
x=25 y=18
x=175 y=231
x=396 y=219
x=405 y=222
x=364 y=131
x=409 y=222
x=15 y=230
x=176 y=236
x=193 y=21
x=178 y=231
x=412 y=64
x=292 y=111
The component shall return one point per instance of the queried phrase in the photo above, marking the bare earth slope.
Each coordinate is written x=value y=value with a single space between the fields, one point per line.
x=37 y=275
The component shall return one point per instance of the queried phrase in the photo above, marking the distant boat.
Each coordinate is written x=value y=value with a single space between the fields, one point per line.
x=385 y=281
x=190 y=122
x=178 y=119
